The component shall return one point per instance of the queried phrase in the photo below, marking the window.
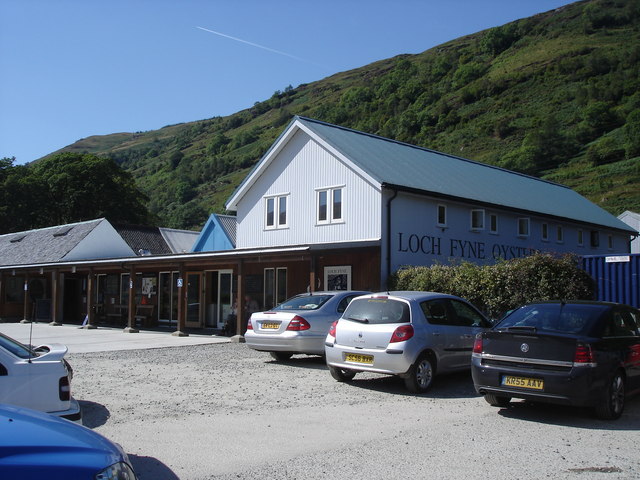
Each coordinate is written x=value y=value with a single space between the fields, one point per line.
x=580 y=238
x=477 y=219
x=595 y=238
x=610 y=242
x=523 y=227
x=329 y=205
x=275 y=287
x=442 y=215
x=559 y=234
x=493 y=223
x=14 y=289
x=545 y=232
x=273 y=218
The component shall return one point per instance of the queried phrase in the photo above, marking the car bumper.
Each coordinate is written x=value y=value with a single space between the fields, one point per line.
x=73 y=413
x=576 y=386
x=389 y=362
x=286 y=342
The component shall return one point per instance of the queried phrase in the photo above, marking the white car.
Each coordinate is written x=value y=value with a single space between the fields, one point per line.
x=37 y=378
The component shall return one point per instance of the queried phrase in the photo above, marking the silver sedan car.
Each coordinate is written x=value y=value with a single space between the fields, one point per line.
x=298 y=325
x=410 y=334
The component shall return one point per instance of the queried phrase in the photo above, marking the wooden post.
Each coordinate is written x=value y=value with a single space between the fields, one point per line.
x=25 y=316
x=131 y=306
x=241 y=324
x=90 y=313
x=182 y=311
x=312 y=274
x=55 y=294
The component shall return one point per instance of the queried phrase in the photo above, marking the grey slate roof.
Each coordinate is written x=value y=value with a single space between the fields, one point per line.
x=408 y=166
x=43 y=245
x=229 y=223
x=143 y=240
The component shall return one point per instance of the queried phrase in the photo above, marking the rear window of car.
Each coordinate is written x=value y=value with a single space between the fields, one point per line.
x=15 y=347
x=564 y=318
x=304 y=302
x=377 y=310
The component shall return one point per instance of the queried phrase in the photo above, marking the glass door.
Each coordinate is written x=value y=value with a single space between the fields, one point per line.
x=225 y=297
x=194 y=302
x=168 y=298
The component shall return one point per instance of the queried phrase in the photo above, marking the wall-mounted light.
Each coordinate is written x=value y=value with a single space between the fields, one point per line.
x=73 y=269
x=41 y=270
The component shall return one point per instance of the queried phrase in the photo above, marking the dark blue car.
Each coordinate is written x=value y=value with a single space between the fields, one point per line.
x=36 y=445
x=573 y=353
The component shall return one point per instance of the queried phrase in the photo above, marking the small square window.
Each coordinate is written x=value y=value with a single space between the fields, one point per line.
x=329 y=205
x=273 y=218
x=493 y=223
x=477 y=219
x=523 y=227
x=442 y=215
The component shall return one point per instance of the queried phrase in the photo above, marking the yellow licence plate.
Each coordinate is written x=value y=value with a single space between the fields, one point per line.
x=357 y=358
x=523 y=382
x=270 y=325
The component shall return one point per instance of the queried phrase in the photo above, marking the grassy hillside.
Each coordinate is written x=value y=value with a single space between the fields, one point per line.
x=556 y=95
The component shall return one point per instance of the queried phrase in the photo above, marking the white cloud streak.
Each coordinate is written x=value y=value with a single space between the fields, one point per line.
x=260 y=46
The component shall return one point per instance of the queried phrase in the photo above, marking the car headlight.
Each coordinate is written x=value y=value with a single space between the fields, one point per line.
x=117 y=471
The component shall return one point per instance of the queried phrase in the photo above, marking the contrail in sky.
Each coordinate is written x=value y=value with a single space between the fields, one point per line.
x=260 y=46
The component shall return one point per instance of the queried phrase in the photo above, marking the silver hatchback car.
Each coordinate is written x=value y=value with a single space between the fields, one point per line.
x=299 y=324
x=411 y=334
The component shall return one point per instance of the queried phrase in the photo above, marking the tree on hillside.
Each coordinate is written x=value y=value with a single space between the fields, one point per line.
x=81 y=187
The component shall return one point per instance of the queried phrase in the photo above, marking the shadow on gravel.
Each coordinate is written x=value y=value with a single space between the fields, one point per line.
x=315 y=362
x=572 y=416
x=93 y=414
x=456 y=385
x=149 y=468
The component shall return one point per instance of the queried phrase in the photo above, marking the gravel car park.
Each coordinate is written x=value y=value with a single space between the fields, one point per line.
x=228 y=412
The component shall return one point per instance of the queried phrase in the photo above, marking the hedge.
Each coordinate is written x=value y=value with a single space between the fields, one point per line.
x=495 y=289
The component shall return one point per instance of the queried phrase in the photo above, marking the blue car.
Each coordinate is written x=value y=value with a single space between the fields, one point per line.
x=36 y=445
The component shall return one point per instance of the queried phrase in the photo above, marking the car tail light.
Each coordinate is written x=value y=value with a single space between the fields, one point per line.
x=249 y=326
x=583 y=355
x=477 y=344
x=402 y=334
x=332 y=329
x=298 y=323
x=64 y=388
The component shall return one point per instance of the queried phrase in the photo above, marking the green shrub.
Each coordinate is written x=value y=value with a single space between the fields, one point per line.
x=506 y=285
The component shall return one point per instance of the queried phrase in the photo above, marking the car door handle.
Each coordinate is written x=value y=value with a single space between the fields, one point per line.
x=436 y=334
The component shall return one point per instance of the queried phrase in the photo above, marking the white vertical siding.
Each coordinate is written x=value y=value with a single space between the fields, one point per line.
x=299 y=169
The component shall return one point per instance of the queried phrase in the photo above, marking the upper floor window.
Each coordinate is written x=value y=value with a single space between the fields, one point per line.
x=276 y=211
x=329 y=205
x=523 y=227
x=580 y=238
x=545 y=232
x=442 y=215
x=559 y=234
x=610 y=242
x=477 y=219
x=493 y=223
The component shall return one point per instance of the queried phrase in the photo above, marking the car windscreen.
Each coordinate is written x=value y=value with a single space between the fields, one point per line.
x=377 y=310
x=555 y=317
x=15 y=347
x=304 y=302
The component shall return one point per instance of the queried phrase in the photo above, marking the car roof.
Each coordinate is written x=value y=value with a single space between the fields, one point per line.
x=579 y=302
x=332 y=292
x=412 y=295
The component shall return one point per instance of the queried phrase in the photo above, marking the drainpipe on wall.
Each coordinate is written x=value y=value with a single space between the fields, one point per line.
x=388 y=259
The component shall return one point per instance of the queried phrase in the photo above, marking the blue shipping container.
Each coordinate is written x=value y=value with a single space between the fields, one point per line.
x=616 y=277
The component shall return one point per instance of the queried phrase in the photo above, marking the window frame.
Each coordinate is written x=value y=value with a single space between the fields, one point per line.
x=493 y=223
x=527 y=222
x=544 y=232
x=474 y=215
x=330 y=205
x=580 y=235
x=276 y=201
x=441 y=211
x=559 y=234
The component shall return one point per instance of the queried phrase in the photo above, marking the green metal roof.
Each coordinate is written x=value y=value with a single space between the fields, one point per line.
x=415 y=168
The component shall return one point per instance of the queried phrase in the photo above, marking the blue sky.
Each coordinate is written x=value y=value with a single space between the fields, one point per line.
x=70 y=69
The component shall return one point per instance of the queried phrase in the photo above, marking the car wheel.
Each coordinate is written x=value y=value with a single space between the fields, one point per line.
x=612 y=404
x=497 y=401
x=281 y=356
x=420 y=376
x=342 y=374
